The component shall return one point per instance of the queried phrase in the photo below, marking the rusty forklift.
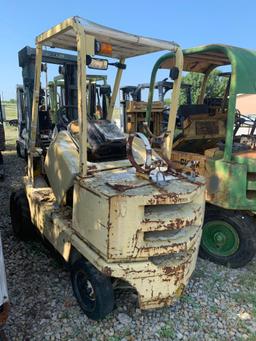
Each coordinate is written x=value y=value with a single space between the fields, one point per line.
x=134 y=106
x=113 y=208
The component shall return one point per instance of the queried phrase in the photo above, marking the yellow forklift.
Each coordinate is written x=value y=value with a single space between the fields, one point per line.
x=114 y=209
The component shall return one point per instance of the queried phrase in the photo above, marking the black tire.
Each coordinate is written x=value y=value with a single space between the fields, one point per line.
x=92 y=289
x=18 y=149
x=20 y=216
x=243 y=227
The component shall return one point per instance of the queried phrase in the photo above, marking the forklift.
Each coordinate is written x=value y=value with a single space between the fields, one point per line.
x=57 y=102
x=212 y=140
x=113 y=208
x=134 y=108
x=24 y=95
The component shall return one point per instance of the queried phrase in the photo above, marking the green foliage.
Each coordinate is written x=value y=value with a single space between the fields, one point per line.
x=12 y=100
x=215 y=86
x=114 y=338
x=167 y=331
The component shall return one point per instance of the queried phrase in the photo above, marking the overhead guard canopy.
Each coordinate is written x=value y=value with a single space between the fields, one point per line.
x=205 y=58
x=124 y=45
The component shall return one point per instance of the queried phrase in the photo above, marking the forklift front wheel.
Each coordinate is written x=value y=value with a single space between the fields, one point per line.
x=228 y=237
x=20 y=216
x=92 y=289
x=18 y=149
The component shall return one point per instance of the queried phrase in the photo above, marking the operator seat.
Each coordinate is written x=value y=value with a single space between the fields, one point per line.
x=106 y=141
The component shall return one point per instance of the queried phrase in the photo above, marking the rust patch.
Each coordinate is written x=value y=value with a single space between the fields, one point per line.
x=124 y=187
x=163 y=301
x=107 y=271
x=176 y=272
x=176 y=224
x=165 y=197
x=4 y=312
x=91 y=169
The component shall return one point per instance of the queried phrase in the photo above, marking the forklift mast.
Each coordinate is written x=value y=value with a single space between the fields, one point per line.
x=27 y=58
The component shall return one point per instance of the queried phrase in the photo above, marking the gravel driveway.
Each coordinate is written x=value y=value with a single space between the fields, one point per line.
x=219 y=303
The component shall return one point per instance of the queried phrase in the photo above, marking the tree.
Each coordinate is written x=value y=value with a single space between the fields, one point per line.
x=215 y=86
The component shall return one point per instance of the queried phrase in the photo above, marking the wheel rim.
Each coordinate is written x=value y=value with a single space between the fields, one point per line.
x=220 y=238
x=85 y=291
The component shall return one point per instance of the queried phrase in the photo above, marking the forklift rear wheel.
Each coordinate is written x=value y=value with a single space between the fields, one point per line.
x=20 y=216
x=228 y=237
x=92 y=289
x=18 y=149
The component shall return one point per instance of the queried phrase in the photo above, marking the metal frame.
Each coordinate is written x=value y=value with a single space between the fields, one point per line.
x=79 y=34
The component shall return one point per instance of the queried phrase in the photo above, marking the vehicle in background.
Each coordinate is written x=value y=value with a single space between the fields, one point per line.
x=57 y=101
x=134 y=107
x=212 y=142
x=24 y=94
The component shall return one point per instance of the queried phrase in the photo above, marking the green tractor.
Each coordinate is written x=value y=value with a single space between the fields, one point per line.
x=211 y=140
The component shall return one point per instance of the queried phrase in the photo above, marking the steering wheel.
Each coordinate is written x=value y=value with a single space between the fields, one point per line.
x=149 y=163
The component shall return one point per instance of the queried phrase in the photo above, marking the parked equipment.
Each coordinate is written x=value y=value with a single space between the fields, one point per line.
x=58 y=101
x=134 y=108
x=112 y=215
x=24 y=92
x=212 y=142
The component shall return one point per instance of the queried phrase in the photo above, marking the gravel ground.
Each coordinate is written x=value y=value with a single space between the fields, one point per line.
x=219 y=303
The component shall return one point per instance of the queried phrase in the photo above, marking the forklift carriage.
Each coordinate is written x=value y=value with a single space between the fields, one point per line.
x=109 y=220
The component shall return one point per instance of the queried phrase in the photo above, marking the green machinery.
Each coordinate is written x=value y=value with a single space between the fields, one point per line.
x=211 y=142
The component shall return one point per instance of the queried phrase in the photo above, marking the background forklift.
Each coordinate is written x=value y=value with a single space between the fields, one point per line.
x=24 y=96
x=134 y=107
x=114 y=215
x=209 y=140
x=57 y=101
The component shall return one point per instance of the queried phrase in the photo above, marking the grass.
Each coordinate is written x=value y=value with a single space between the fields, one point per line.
x=243 y=326
x=245 y=297
x=10 y=131
x=167 y=331
x=10 y=110
x=247 y=292
x=114 y=338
